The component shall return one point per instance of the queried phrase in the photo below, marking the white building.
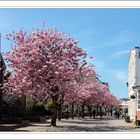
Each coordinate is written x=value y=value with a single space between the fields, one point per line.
x=134 y=84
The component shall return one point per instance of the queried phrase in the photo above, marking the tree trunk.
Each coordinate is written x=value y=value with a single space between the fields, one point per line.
x=67 y=112
x=97 y=109
x=83 y=111
x=100 y=112
x=59 y=112
x=23 y=101
x=111 y=111
x=105 y=109
x=54 y=113
x=89 y=110
x=72 y=111
x=108 y=112
x=77 y=111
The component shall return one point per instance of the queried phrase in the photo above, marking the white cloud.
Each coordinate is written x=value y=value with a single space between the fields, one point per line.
x=120 y=38
x=120 y=53
x=121 y=75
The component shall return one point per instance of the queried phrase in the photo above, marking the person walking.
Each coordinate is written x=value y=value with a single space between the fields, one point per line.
x=118 y=114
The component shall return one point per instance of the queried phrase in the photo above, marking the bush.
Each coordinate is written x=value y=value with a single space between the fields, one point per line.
x=36 y=119
x=10 y=120
x=38 y=109
x=12 y=107
x=49 y=108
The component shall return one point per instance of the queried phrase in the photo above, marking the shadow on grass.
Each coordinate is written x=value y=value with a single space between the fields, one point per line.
x=84 y=122
x=98 y=119
x=80 y=125
x=88 y=120
x=12 y=128
x=82 y=129
x=93 y=129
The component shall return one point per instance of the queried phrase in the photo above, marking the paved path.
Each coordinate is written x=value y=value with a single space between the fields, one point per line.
x=82 y=125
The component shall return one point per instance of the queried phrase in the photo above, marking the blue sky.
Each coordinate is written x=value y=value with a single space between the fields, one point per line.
x=106 y=34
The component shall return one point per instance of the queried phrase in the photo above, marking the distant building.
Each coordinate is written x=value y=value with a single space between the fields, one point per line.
x=134 y=84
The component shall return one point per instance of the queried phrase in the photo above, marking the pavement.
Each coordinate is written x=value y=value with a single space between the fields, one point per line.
x=82 y=125
x=11 y=127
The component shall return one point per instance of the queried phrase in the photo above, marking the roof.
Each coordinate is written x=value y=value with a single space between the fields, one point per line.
x=124 y=99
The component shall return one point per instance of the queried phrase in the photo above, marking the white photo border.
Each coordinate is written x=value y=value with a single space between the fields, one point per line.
x=69 y=135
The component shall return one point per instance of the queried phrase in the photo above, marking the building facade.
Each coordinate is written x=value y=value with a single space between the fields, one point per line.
x=134 y=84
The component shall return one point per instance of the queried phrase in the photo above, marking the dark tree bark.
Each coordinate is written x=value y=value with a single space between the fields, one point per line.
x=106 y=109
x=83 y=108
x=100 y=112
x=59 y=112
x=111 y=111
x=67 y=112
x=61 y=101
x=54 y=113
x=72 y=111
x=77 y=110
x=89 y=110
x=54 y=89
x=23 y=100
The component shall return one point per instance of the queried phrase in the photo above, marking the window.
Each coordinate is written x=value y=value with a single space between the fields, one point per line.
x=139 y=54
x=138 y=99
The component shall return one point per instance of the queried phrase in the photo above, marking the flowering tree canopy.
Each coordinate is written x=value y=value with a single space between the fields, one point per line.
x=41 y=62
x=46 y=64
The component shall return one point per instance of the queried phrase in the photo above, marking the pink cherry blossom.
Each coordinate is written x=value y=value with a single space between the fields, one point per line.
x=47 y=64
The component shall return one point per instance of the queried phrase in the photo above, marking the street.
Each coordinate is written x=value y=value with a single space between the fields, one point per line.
x=82 y=125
